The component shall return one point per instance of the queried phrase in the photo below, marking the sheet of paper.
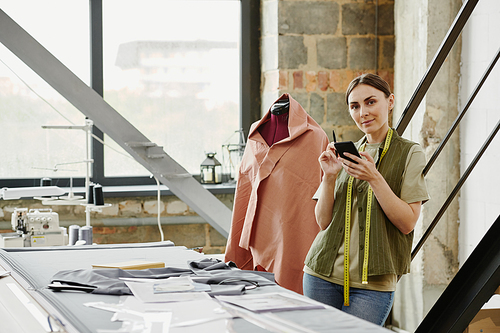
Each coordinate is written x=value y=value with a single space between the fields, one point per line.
x=199 y=316
x=205 y=315
x=270 y=302
x=145 y=293
x=179 y=284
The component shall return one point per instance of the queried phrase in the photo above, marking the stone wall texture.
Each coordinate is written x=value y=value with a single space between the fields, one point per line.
x=316 y=48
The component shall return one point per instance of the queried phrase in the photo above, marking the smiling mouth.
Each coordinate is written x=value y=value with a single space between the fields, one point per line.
x=367 y=122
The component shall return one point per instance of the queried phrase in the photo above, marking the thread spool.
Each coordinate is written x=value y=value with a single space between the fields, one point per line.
x=46 y=182
x=85 y=233
x=90 y=197
x=73 y=234
x=98 y=196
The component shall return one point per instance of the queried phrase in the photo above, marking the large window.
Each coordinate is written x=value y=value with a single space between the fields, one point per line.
x=171 y=68
x=27 y=103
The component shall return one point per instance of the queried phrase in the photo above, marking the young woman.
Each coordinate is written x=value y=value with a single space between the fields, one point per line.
x=366 y=210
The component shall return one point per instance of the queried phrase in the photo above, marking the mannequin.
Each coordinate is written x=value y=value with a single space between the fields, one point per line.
x=273 y=222
x=276 y=126
x=281 y=106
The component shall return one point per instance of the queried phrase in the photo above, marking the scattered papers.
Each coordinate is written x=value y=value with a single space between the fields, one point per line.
x=138 y=317
x=152 y=308
x=270 y=302
x=144 y=321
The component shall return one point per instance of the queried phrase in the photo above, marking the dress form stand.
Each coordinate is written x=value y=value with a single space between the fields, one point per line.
x=275 y=128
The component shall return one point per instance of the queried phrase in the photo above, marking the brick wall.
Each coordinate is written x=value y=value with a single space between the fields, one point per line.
x=134 y=220
x=315 y=48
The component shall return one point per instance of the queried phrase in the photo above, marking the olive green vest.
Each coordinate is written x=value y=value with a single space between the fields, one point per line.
x=390 y=249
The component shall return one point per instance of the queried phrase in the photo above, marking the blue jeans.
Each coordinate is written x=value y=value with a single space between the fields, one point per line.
x=370 y=305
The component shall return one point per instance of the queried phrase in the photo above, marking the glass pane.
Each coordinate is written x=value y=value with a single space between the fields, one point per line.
x=28 y=102
x=171 y=68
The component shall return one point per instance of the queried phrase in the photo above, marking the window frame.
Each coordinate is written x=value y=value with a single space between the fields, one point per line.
x=249 y=103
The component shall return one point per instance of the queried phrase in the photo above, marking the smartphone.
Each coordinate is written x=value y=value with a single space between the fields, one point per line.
x=346 y=146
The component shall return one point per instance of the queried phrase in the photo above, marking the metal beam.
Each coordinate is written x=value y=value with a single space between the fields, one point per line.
x=91 y=104
x=462 y=113
x=97 y=83
x=473 y=286
x=436 y=63
x=456 y=190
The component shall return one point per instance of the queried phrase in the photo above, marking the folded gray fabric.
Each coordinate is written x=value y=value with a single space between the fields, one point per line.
x=229 y=280
x=247 y=278
x=107 y=280
x=210 y=263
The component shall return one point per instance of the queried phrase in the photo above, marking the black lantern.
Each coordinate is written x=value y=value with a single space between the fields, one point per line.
x=211 y=170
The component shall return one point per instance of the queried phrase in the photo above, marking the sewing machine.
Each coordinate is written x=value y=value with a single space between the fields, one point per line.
x=34 y=228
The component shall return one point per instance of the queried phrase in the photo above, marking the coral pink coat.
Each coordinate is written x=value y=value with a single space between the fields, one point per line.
x=273 y=223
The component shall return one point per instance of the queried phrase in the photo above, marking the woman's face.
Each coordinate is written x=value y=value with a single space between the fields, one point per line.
x=370 y=108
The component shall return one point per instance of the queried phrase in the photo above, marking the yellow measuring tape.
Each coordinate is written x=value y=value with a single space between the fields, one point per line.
x=347 y=234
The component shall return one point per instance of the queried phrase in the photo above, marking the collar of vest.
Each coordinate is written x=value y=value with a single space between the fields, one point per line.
x=364 y=139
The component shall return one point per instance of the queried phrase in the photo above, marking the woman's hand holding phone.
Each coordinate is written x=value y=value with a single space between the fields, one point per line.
x=346 y=147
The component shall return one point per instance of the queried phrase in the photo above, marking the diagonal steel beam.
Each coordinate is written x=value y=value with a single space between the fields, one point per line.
x=436 y=63
x=91 y=104
x=470 y=289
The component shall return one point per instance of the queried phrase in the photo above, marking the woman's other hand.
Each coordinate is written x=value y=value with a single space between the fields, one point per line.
x=329 y=162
